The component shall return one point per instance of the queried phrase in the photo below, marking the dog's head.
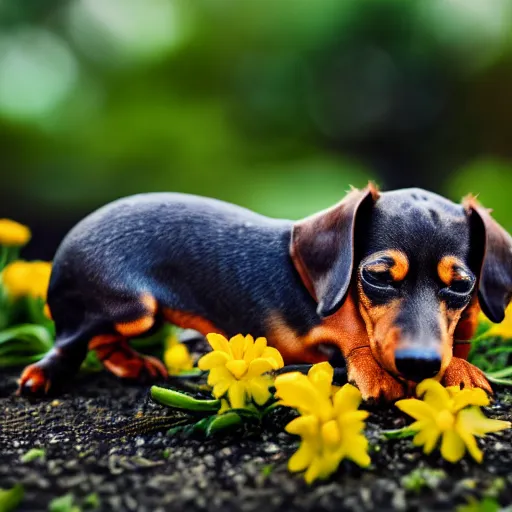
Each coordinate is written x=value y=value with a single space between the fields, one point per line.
x=414 y=261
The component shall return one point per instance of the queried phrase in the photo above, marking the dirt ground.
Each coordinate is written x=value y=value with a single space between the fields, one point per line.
x=106 y=439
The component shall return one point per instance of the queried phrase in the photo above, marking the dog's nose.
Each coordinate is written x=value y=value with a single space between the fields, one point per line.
x=417 y=365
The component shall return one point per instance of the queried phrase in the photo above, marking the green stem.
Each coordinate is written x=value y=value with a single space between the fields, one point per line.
x=223 y=422
x=29 y=333
x=172 y=398
x=506 y=372
x=400 y=433
x=502 y=382
x=20 y=360
x=4 y=256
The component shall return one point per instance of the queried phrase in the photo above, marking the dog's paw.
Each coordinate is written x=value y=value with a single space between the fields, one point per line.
x=375 y=383
x=464 y=374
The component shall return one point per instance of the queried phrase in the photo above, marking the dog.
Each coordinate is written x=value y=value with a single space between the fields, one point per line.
x=393 y=280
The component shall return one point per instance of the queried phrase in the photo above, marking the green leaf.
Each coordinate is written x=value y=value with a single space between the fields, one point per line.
x=91 y=501
x=172 y=398
x=10 y=499
x=187 y=374
x=225 y=421
x=486 y=505
x=420 y=478
x=22 y=341
x=267 y=470
x=64 y=503
x=201 y=425
x=91 y=363
x=7 y=361
x=506 y=372
x=33 y=454
x=400 y=433
x=500 y=382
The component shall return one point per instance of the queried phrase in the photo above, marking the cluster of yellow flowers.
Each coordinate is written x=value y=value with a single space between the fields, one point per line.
x=13 y=234
x=27 y=278
x=177 y=357
x=239 y=368
x=504 y=329
x=452 y=414
x=22 y=278
x=330 y=424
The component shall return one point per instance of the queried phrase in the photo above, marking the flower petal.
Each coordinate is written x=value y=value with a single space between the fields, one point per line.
x=274 y=356
x=304 y=426
x=212 y=360
x=258 y=388
x=452 y=446
x=224 y=406
x=301 y=459
x=296 y=390
x=418 y=409
x=236 y=395
x=475 y=422
x=314 y=470
x=331 y=435
x=465 y=397
x=248 y=343
x=427 y=436
x=218 y=342
x=217 y=374
x=177 y=358
x=347 y=398
x=469 y=441
x=356 y=449
x=260 y=344
x=237 y=367
x=321 y=376
x=259 y=366
x=352 y=421
x=237 y=344
x=330 y=462
x=434 y=394
x=220 y=388
x=254 y=349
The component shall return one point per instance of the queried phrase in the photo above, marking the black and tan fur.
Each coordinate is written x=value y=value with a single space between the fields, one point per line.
x=391 y=279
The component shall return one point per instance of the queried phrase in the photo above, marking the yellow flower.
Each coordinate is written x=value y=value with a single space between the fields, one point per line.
x=24 y=278
x=177 y=358
x=330 y=424
x=238 y=367
x=451 y=414
x=13 y=234
x=504 y=329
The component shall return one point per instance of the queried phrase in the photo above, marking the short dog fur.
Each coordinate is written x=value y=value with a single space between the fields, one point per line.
x=394 y=280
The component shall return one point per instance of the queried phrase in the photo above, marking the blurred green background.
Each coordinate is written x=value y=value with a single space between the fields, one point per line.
x=278 y=105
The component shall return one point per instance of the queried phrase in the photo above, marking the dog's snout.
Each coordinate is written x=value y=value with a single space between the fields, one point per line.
x=417 y=365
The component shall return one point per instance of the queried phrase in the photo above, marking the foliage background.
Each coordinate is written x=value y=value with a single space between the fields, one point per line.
x=277 y=105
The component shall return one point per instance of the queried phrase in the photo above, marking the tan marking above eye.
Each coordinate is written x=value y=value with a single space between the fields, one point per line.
x=399 y=268
x=451 y=268
x=378 y=267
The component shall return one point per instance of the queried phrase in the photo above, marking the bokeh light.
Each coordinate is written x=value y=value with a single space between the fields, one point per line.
x=276 y=105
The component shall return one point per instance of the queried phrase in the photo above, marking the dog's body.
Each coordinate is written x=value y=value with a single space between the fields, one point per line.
x=214 y=267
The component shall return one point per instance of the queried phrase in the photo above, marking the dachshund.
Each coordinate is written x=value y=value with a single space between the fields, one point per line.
x=392 y=280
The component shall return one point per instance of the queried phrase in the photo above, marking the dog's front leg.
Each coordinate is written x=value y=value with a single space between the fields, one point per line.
x=375 y=383
x=465 y=375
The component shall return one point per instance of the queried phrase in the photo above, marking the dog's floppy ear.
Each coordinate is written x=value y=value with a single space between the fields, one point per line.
x=494 y=246
x=322 y=249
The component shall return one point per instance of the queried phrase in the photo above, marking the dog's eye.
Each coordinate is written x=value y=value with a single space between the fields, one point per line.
x=458 y=294
x=462 y=286
x=378 y=284
x=377 y=278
